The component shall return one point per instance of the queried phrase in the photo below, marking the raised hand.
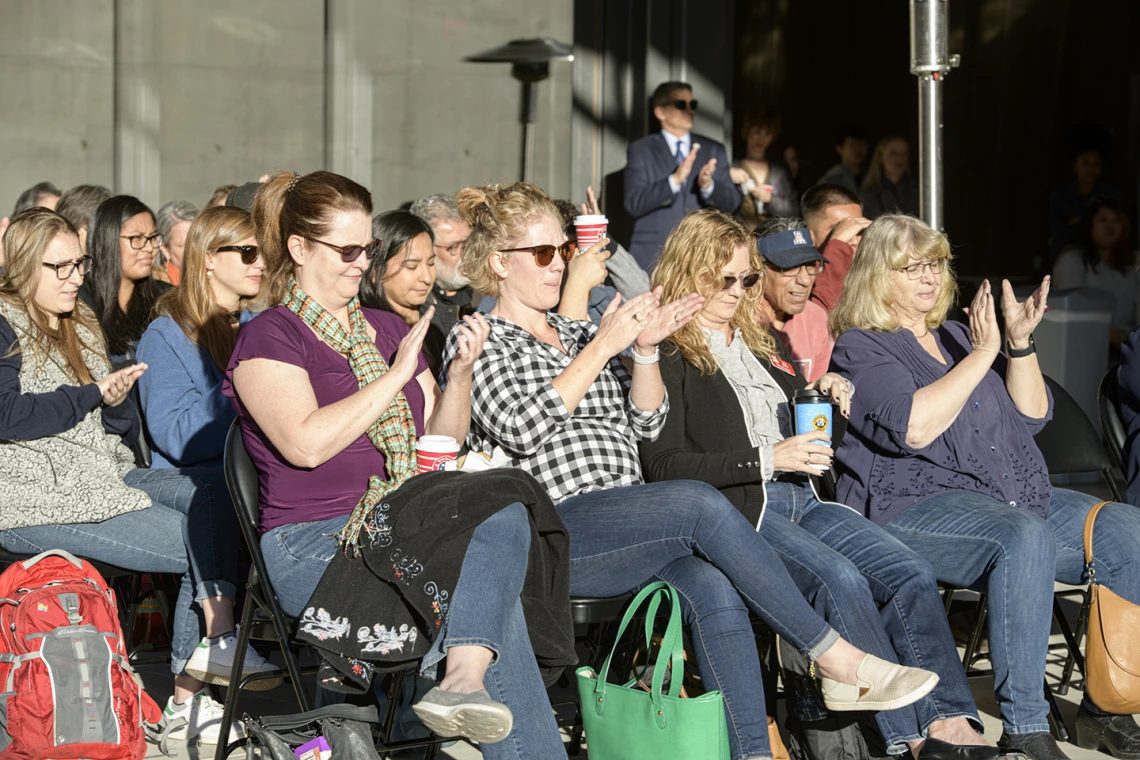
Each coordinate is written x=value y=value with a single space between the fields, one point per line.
x=850 y=230
x=739 y=176
x=588 y=269
x=706 y=175
x=837 y=387
x=668 y=320
x=473 y=332
x=622 y=323
x=408 y=353
x=1021 y=319
x=682 y=172
x=117 y=385
x=591 y=205
x=984 y=333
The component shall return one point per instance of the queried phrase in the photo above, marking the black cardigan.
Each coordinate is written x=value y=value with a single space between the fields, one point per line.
x=706 y=437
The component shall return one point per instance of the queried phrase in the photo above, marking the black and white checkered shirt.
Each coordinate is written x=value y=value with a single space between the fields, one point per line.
x=514 y=406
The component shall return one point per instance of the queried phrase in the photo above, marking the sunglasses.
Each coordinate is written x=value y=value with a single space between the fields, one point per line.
x=746 y=281
x=350 y=253
x=684 y=105
x=248 y=252
x=544 y=254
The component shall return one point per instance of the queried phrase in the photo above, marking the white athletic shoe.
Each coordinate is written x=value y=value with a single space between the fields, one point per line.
x=203 y=716
x=213 y=660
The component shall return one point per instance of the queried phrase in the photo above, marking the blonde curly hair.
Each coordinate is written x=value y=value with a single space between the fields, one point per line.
x=695 y=253
x=498 y=215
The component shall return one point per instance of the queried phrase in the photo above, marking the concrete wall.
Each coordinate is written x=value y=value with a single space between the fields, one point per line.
x=167 y=99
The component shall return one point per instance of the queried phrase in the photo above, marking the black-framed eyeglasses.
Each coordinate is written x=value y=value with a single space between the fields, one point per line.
x=248 y=252
x=544 y=254
x=812 y=267
x=64 y=270
x=914 y=271
x=746 y=281
x=453 y=247
x=138 y=242
x=350 y=253
x=684 y=105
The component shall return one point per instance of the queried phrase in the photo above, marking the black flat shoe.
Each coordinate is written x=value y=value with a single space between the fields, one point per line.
x=1036 y=746
x=933 y=749
x=1118 y=734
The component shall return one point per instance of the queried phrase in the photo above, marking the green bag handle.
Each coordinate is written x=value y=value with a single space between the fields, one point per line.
x=671 y=652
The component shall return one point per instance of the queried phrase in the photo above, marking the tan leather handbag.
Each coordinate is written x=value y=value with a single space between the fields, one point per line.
x=1112 y=650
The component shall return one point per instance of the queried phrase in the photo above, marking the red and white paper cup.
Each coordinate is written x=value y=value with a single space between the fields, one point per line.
x=590 y=229
x=436 y=452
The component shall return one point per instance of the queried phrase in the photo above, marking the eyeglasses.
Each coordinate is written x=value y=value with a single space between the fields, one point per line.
x=684 y=105
x=746 y=281
x=544 y=254
x=452 y=248
x=66 y=269
x=350 y=253
x=914 y=271
x=812 y=267
x=138 y=242
x=248 y=252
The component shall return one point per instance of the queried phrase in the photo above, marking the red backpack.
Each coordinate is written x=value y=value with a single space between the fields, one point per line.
x=66 y=687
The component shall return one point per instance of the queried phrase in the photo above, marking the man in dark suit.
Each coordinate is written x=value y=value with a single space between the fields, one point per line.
x=661 y=185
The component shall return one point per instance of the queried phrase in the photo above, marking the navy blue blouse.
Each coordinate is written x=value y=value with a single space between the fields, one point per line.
x=989 y=448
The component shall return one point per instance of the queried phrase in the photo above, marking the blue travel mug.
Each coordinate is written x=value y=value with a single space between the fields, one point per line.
x=813 y=413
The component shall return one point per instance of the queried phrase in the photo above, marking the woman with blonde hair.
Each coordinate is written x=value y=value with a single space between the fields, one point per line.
x=189 y=343
x=889 y=187
x=68 y=476
x=731 y=385
x=551 y=393
x=940 y=452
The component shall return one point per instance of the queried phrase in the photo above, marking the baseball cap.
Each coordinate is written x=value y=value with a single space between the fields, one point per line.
x=788 y=249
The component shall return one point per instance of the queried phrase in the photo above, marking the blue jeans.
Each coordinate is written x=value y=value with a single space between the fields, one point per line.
x=879 y=595
x=190 y=529
x=486 y=610
x=687 y=534
x=973 y=540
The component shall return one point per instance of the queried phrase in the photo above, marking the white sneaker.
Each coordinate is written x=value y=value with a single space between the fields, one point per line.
x=203 y=716
x=213 y=661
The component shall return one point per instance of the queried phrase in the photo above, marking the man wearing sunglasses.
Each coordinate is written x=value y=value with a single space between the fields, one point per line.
x=791 y=263
x=672 y=172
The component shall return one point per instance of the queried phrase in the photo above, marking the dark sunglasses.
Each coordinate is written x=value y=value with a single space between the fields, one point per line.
x=544 y=254
x=248 y=252
x=684 y=105
x=350 y=253
x=746 y=281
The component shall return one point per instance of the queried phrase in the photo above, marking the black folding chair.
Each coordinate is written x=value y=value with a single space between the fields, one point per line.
x=1111 y=426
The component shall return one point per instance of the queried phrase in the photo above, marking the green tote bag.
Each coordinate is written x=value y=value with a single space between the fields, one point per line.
x=623 y=722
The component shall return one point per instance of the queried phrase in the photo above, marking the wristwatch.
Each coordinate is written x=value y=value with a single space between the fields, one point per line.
x=1018 y=353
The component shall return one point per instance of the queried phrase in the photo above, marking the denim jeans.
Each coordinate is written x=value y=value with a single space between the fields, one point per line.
x=973 y=540
x=879 y=595
x=486 y=610
x=190 y=529
x=688 y=534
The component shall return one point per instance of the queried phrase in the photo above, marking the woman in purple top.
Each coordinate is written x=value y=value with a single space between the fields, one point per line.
x=940 y=451
x=328 y=395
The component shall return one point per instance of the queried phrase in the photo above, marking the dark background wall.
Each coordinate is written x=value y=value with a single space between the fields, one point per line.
x=1031 y=71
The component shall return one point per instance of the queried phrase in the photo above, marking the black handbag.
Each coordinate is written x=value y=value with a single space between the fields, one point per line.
x=347 y=729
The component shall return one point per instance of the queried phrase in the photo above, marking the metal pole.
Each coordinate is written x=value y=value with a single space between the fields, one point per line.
x=529 y=117
x=930 y=62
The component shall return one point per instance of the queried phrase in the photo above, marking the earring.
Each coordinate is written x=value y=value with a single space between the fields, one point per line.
x=209 y=273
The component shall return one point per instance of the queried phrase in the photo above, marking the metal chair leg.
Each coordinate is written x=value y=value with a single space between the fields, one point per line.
x=234 y=691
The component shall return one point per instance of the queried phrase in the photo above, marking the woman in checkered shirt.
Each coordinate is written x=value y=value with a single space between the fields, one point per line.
x=552 y=394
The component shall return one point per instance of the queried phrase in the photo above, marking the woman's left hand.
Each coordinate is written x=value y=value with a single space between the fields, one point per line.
x=1021 y=319
x=667 y=320
x=473 y=332
x=837 y=387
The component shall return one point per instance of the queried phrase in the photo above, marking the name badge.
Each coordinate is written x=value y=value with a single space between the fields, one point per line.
x=786 y=366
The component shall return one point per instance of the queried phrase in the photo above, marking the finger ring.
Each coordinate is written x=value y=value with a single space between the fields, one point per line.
x=677 y=318
x=637 y=317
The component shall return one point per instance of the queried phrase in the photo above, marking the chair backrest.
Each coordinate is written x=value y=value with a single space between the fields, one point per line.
x=1070 y=442
x=1111 y=426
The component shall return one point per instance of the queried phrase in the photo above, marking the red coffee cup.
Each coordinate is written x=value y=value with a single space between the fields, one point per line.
x=436 y=452
x=590 y=229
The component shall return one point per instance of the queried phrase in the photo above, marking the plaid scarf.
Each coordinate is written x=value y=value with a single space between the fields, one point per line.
x=393 y=434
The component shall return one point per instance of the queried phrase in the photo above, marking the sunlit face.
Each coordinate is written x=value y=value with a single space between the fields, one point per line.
x=719 y=310
x=1107 y=227
x=896 y=158
x=232 y=280
x=821 y=227
x=320 y=270
x=174 y=243
x=53 y=295
x=409 y=275
x=137 y=263
x=915 y=298
x=675 y=120
x=450 y=236
x=523 y=280
x=853 y=151
x=1087 y=167
x=787 y=292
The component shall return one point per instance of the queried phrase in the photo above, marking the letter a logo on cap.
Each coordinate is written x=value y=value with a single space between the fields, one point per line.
x=798 y=238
